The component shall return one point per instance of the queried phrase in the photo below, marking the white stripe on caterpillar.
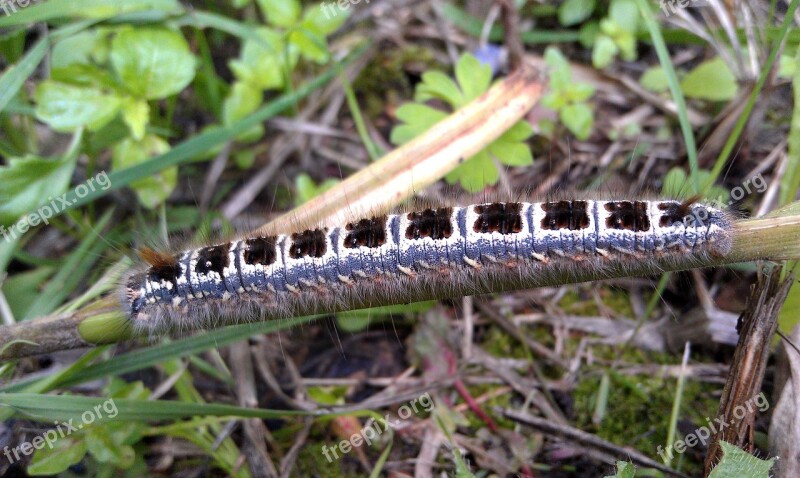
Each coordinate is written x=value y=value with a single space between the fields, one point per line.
x=434 y=253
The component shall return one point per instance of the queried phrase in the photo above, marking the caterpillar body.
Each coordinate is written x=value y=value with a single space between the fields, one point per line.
x=433 y=253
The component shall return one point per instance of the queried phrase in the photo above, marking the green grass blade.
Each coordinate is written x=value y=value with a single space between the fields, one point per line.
x=15 y=76
x=674 y=88
x=158 y=353
x=46 y=408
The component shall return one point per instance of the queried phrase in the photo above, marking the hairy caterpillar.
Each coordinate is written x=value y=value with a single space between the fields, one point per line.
x=432 y=253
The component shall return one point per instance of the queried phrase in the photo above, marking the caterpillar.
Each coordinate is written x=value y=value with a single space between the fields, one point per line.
x=432 y=253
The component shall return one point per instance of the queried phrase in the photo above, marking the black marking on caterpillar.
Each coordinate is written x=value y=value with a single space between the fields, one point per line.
x=431 y=253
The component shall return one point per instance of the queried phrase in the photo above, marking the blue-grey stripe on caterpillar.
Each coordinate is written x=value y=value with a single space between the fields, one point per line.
x=433 y=253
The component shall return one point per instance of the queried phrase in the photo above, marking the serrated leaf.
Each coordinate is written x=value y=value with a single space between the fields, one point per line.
x=520 y=131
x=436 y=84
x=474 y=173
x=512 y=154
x=153 y=63
x=281 y=13
x=417 y=119
x=737 y=462
x=654 y=79
x=711 y=80
x=50 y=461
x=66 y=107
x=136 y=114
x=578 y=119
x=30 y=182
x=572 y=12
x=153 y=190
x=473 y=77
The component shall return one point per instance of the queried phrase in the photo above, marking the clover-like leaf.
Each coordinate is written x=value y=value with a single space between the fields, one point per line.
x=153 y=190
x=153 y=63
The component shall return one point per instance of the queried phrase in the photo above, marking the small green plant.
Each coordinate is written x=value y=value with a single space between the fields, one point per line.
x=711 y=80
x=567 y=97
x=613 y=35
x=472 y=80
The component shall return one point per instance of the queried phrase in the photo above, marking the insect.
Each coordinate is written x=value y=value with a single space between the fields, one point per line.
x=431 y=253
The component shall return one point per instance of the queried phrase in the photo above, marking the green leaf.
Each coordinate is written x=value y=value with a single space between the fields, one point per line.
x=737 y=462
x=791 y=180
x=579 y=92
x=153 y=190
x=511 y=153
x=474 y=173
x=98 y=9
x=30 y=182
x=262 y=63
x=578 y=119
x=77 y=48
x=307 y=189
x=243 y=99
x=153 y=63
x=436 y=84
x=136 y=114
x=655 y=79
x=559 y=71
x=311 y=45
x=604 y=51
x=66 y=108
x=281 y=13
x=101 y=444
x=625 y=14
x=711 y=80
x=473 y=77
x=14 y=77
x=322 y=21
x=417 y=119
x=50 y=461
x=624 y=470
x=572 y=12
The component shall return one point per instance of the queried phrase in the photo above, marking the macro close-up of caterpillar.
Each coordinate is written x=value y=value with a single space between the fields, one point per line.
x=399 y=238
x=443 y=250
